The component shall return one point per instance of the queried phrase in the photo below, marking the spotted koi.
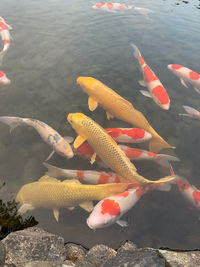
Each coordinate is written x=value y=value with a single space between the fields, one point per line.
x=186 y=76
x=5 y=35
x=155 y=88
x=108 y=6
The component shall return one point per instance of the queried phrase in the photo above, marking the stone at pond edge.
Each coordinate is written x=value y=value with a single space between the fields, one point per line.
x=2 y=254
x=96 y=256
x=74 y=252
x=49 y=264
x=33 y=244
x=144 y=257
x=127 y=246
x=177 y=259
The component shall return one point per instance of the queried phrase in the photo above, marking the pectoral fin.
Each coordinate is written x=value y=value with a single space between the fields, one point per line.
x=92 y=160
x=50 y=155
x=78 y=141
x=24 y=208
x=69 y=139
x=70 y=208
x=122 y=223
x=142 y=83
x=197 y=90
x=92 y=104
x=109 y=115
x=87 y=205
x=145 y=93
x=183 y=82
x=56 y=214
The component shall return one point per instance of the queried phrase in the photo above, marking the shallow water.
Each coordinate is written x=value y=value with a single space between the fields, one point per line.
x=53 y=44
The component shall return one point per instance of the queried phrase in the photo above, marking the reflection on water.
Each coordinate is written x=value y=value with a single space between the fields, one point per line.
x=54 y=43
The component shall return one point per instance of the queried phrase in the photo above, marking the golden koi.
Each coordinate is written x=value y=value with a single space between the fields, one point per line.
x=117 y=106
x=107 y=149
x=48 y=192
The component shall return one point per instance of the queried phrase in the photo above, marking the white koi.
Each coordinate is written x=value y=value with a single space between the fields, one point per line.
x=5 y=35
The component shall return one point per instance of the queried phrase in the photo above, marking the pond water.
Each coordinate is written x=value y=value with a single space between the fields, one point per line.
x=55 y=42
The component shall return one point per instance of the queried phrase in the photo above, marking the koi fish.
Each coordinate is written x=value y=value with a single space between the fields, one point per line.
x=109 y=210
x=86 y=151
x=155 y=88
x=51 y=193
x=129 y=135
x=5 y=35
x=191 y=112
x=107 y=149
x=117 y=106
x=3 y=79
x=86 y=176
x=48 y=134
x=186 y=76
x=143 y=10
x=112 y=6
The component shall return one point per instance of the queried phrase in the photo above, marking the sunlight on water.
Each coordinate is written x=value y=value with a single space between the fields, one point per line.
x=54 y=43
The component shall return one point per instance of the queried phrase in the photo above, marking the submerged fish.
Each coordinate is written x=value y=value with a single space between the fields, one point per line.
x=117 y=106
x=53 y=194
x=112 y=6
x=191 y=112
x=129 y=135
x=156 y=90
x=186 y=76
x=107 y=149
x=3 y=79
x=48 y=134
x=86 y=176
x=5 y=35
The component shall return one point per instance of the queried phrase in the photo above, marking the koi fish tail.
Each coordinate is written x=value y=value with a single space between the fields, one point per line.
x=161 y=181
x=12 y=122
x=53 y=171
x=157 y=143
x=164 y=159
x=136 y=52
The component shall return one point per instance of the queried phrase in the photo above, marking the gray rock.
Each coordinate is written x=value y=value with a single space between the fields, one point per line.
x=2 y=254
x=179 y=259
x=144 y=257
x=33 y=244
x=49 y=264
x=97 y=255
x=128 y=246
x=74 y=252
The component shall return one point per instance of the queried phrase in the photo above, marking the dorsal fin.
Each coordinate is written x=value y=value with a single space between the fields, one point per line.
x=47 y=178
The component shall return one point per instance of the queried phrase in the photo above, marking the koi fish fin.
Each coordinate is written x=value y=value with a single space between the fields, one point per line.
x=78 y=141
x=136 y=52
x=24 y=208
x=142 y=83
x=47 y=178
x=70 y=208
x=197 y=90
x=186 y=115
x=163 y=159
x=157 y=144
x=9 y=27
x=56 y=214
x=191 y=111
x=52 y=170
x=162 y=181
x=69 y=139
x=183 y=82
x=12 y=122
x=87 y=205
x=92 y=160
x=145 y=93
x=109 y=115
x=92 y=104
x=165 y=187
x=50 y=155
x=122 y=223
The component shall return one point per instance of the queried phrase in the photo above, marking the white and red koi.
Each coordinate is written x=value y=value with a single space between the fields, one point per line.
x=109 y=210
x=186 y=76
x=191 y=112
x=86 y=151
x=156 y=90
x=5 y=35
x=108 y=6
x=129 y=135
x=86 y=176
x=3 y=79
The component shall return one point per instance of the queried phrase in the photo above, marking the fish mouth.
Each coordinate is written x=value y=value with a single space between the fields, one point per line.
x=79 y=79
x=90 y=226
x=169 y=67
x=166 y=106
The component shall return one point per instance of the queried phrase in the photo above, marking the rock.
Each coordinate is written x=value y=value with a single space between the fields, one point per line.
x=96 y=256
x=49 y=264
x=128 y=246
x=33 y=244
x=74 y=252
x=2 y=254
x=179 y=259
x=144 y=257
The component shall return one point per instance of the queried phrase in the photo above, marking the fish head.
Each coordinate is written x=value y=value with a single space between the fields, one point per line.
x=87 y=84
x=4 y=80
x=100 y=219
x=63 y=148
x=174 y=68
x=76 y=121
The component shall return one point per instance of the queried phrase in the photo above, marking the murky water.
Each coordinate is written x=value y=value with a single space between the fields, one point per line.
x=57 y=41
